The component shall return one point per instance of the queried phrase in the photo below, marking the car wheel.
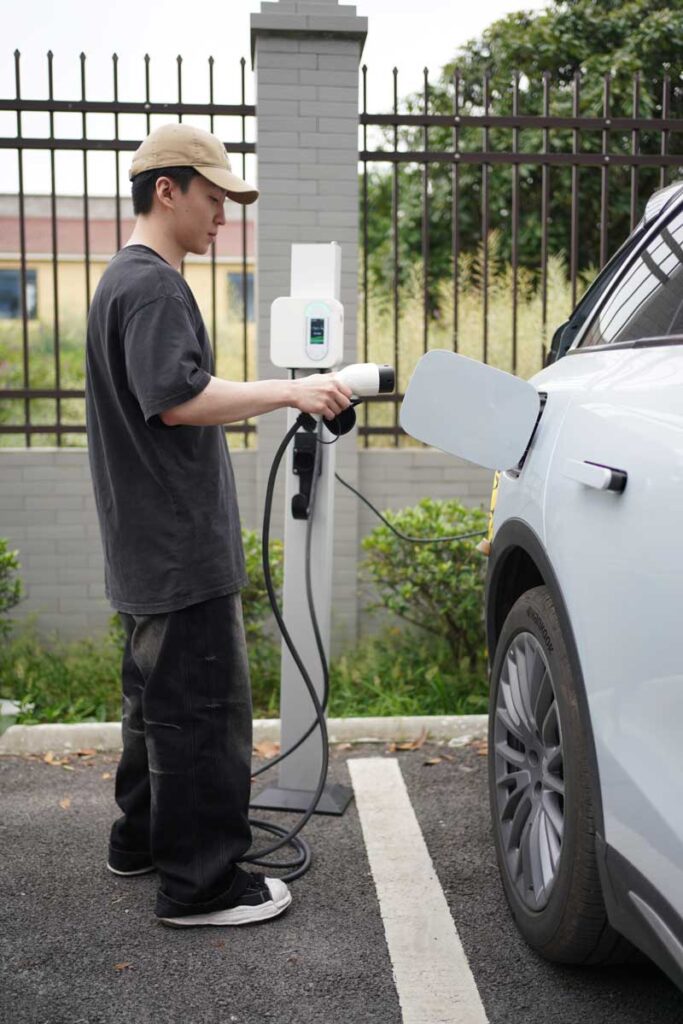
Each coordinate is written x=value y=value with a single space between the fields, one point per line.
x=540 y=792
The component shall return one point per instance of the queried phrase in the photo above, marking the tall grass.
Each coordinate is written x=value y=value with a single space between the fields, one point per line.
x=42 y=374
x=533 y=334
x=533 y=331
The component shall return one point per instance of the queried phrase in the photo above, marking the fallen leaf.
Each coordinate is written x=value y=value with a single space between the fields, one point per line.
x=68 y=768
x=86 y=752
x=54 y=759
x=267 y=748
x=344 y=746
x=448 y=757
x=432 y=760
x=422 y=738
x=65 y=804
x=106 y=775
x=413 y=744
x=481 y=747
x=122 y=967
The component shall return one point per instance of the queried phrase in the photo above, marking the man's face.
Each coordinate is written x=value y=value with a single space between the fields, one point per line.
x=198 y=214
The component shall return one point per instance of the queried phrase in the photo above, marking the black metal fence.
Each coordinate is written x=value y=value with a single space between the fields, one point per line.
x=436 y=172
x=469 y=188
x=18 y=403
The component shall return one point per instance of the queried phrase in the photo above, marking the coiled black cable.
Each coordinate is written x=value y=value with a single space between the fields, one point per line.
x=290 y=837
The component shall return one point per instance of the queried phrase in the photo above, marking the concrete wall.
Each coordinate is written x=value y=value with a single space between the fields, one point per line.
x=47 y=512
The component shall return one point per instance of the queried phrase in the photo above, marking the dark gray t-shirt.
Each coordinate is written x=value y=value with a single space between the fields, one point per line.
x=165 y=496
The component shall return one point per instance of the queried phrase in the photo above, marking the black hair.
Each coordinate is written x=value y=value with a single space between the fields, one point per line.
x=144 y=184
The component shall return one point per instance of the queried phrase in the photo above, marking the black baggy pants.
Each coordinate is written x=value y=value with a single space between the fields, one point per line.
x=183 y=782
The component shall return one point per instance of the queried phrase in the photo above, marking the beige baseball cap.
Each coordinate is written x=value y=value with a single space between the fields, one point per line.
x=182 y=145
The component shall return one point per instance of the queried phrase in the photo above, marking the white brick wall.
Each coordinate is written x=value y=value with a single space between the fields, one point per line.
x=47 y=512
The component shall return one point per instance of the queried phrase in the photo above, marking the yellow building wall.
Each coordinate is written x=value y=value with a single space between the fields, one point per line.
x=228 y=337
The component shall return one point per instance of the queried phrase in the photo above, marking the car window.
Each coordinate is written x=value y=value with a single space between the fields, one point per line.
x=566 y=333
x=648 y=300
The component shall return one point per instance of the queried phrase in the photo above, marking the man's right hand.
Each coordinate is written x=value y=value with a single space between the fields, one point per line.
x=321 y=394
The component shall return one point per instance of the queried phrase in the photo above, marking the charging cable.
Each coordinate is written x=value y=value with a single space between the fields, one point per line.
x=297 y=867
x=302 y=862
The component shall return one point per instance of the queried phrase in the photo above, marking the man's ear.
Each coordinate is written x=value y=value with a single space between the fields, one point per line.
x=165 y=188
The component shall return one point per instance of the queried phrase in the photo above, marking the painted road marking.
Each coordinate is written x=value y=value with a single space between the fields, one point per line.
x=432 y=976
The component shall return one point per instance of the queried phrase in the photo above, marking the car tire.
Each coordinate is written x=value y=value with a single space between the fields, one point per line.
x=540 y=792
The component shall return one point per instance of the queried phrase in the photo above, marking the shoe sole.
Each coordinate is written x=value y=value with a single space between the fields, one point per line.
x=125 y=874
x=233 y=916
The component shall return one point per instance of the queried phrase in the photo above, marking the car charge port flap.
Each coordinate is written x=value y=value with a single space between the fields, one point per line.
x=471 y=410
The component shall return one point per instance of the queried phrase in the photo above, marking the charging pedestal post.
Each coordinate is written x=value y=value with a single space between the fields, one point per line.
x=316 y=322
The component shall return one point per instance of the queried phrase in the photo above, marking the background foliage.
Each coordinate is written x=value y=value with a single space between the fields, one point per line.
x=10 y=585
x=438 y=588
x=435 y=665
x=590 y=38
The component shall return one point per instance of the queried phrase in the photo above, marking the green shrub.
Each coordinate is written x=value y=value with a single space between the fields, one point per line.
x=55 y=681
x=60 y=682
x=263 y=644
x=10 y=585
x=438 y=669
x=405 y=672
x=255 y=603
x=436 y=587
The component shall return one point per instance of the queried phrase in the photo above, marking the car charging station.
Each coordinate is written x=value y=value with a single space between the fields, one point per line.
x=307 y=334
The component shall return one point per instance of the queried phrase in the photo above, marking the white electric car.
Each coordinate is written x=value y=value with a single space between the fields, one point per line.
x=584 y=609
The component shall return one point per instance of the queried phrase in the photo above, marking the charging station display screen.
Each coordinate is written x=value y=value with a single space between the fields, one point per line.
x=317 y=336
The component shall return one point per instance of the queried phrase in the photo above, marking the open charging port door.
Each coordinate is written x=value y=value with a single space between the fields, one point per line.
x=471 y=410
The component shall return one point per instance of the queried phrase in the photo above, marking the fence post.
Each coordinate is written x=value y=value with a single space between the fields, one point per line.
x=306 y=55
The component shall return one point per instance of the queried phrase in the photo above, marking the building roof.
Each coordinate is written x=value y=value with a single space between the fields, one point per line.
x=101 y=227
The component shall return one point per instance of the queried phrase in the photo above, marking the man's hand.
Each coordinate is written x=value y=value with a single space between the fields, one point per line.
x=321 y=394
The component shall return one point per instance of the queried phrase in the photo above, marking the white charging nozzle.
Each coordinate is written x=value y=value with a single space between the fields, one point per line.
x=368 y=379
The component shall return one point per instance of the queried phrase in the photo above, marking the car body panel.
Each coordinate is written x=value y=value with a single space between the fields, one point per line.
x=621 y=566
x=621 y=569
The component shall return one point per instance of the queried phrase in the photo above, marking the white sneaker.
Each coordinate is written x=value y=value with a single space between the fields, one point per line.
x=138 y=871
x=262 y=899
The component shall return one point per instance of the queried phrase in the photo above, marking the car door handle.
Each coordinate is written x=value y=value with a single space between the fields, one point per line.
x=595 y=474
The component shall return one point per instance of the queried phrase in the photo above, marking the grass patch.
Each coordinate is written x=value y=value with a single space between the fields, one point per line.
x=401 y=672
x=397 y=672
x=520 y=351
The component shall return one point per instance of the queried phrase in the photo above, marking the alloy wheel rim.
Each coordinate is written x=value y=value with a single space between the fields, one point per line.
x=529 y=771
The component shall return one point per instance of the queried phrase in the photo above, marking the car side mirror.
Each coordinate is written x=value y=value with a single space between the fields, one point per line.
x=471 y=410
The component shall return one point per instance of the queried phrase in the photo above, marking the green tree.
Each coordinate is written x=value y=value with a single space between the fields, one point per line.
x=588 y=38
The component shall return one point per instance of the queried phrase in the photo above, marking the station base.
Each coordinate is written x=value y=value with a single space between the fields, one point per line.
x=334 y=799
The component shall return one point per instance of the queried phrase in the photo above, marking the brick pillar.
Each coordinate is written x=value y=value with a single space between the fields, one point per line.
x=306 y=56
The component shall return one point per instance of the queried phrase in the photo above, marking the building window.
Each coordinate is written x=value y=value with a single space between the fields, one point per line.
x=235 y=294
x=10 y=294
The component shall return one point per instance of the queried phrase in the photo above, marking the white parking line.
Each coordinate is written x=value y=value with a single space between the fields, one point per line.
x=433 y=978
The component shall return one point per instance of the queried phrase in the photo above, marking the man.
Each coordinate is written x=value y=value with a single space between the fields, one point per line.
x=170 y=527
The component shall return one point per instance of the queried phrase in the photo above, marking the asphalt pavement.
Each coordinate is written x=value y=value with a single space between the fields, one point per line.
x=80 y=946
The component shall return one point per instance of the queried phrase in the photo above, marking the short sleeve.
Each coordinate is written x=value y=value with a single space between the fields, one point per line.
x=163 y=356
